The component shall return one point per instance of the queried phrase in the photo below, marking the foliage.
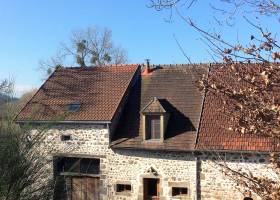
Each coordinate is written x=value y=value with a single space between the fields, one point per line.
x=6 y=87
x=23 y=172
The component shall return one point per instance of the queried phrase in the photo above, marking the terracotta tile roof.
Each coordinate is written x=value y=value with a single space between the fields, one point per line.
x=176 y=90
x=98 y=90
x=214 y=133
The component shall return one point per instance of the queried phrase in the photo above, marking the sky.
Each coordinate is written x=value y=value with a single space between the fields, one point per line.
x=32 y=30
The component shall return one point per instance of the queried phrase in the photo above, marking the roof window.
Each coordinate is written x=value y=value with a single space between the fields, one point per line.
x=73 y=107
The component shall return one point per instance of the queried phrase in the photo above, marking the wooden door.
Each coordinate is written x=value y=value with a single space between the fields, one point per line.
x=151 y=189
x=92 y=188
x=85 y=188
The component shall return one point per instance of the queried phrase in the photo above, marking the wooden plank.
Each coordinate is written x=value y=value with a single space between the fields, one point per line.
x=92 y=185
x=85 y=188
x=77 y=189
x=68 y=188
x=77 y=155
x=145 y=188
x=158 y=188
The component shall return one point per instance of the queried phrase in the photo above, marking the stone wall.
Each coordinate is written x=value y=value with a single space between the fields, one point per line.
x=124 y=166
x=217 y=186
x=132 y=166
x=85 y=141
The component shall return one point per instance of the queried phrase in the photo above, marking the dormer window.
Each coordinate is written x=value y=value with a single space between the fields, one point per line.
x=155 y=119
x=153 y=127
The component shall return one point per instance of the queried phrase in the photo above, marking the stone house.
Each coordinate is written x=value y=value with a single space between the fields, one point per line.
x=139 y=132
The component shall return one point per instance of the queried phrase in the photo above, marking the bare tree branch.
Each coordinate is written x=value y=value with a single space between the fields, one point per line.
x=87 y=47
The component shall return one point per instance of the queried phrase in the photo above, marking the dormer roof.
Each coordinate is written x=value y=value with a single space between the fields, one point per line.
x=154 y=106
x=176 y=92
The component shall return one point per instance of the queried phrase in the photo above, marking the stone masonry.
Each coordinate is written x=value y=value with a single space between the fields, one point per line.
x=200 y=174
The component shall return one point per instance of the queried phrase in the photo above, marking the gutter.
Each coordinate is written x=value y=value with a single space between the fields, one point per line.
x=232 y=151
x=64 y=122
x=197 y=152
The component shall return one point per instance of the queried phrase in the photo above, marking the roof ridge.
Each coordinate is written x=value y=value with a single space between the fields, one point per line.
x=121 y=65
x=179 y=64
x=159 y=65
x=108 y=65
x=205 y=63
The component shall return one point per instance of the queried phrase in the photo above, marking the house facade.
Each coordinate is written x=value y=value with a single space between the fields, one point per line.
x=131 y=132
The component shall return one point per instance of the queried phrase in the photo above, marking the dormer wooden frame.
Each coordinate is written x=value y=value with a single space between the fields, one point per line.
x=161 y=112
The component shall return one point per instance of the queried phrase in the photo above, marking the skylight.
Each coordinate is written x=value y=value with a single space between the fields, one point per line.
x=73 y=107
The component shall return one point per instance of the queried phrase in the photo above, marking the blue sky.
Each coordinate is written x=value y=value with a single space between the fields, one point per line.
x=32 y=30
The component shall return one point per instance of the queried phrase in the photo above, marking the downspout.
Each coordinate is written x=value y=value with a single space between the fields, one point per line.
x=109 y=134
x=196 y=177
x=107 y=192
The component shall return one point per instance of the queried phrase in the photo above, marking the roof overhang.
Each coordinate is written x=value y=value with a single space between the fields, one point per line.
x=63 y=122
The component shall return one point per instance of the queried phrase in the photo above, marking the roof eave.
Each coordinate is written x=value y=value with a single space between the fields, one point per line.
x=63 y=122
x=193 y=150
x=233 y=151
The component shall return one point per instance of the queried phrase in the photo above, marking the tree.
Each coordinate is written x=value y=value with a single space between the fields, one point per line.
x=6 y=87
x=23 y=172
x=87 y=47
x=254 y=95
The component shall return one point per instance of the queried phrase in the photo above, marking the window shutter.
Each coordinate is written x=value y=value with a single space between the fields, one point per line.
x=155 y=121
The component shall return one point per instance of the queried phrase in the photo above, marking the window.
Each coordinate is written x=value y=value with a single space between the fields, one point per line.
x=65 y=137
x=73 y=107
x=179 y=191
x=152 y=127
x=77 y=165
x=248 y=198
x=123 y=188
x=89 y=166
x=155 y=118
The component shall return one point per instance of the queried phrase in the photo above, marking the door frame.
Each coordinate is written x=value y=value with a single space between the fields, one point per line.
x=153 y=174
x=71 y=175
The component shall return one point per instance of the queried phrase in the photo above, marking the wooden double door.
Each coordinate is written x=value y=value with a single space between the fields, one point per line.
x=83 y=188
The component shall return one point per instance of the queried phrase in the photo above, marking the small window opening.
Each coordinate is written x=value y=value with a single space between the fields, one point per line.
x=179 y=191
x=77 y=165
x=123 y=188
x=248 y=198
x=153 y=127
x=73 y=107
x=65 y=137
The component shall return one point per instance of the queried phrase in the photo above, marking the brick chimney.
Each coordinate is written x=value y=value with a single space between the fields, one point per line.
x=147 y=69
